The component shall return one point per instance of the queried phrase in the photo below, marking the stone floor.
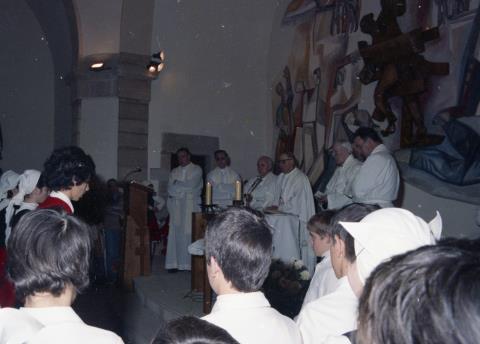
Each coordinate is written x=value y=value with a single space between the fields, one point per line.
x=139 y=315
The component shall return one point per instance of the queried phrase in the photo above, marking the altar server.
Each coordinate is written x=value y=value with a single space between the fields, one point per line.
x=238 y=250
x=378 y=179
x=184 y=188
x=261 y=190
x=67 y=173
x=358 y=248
x=223 y=179
x=47 y=280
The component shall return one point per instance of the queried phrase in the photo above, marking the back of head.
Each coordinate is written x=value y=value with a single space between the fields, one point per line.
x=192 y=330
x=47 y=251
x=240 y=240
x=429 y=295
x=68 y=166
x=367 y=133
x=351 y=213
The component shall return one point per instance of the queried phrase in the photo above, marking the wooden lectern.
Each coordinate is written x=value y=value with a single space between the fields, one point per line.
x=199 y=273
x=137 y=237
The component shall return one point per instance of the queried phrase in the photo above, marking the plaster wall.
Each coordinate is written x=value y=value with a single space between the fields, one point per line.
x=27 y=105
x=215 y=79
x=98 y=133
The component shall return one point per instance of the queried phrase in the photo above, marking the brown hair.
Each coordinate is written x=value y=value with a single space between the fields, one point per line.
x=320 y=223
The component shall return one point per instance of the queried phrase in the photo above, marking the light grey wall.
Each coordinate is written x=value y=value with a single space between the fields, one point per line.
x=26 y=88
x=215 y=79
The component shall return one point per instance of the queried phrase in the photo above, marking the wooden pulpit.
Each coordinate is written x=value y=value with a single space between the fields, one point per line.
x=137 y=237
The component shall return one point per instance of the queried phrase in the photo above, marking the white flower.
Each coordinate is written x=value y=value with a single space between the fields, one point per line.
x=298 y=264
x=304 y=275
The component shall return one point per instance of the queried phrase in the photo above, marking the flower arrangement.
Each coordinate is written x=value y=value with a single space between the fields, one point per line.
x=286 y=286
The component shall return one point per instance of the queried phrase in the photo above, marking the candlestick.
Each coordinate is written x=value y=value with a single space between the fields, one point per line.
x=208 y=194
x=238 y=190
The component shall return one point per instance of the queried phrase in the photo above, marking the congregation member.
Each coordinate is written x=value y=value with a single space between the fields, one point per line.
x=238 y=250
x=260 y=192
x=192 y=330
x=294 y=190
x=8 y=189
x=324 y=280
x=378 y=180
x=338 y=190
x=223 y=179
x=429 y=295
x=31 y=191
x=185 y=185
x=48 y=279
x=357 y=249
x=67 y=172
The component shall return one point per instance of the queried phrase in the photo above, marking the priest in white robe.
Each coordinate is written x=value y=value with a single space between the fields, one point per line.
x=261 y=191
x=338 y=191
x=378 y=180
x=295 y=197
x=223 y=179
x=184 y=188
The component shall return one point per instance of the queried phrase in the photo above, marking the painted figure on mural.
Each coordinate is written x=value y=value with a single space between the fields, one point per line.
x=394 y=60
x=284 y=114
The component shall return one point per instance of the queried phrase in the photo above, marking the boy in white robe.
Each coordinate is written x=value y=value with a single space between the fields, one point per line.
x=324 y=280
x=358 y=248
x=238 y=250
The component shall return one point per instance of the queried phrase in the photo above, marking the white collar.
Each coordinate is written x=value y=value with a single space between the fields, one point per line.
x=240 y=301
x=380 y=148
x=63 y=197
x=52 y=315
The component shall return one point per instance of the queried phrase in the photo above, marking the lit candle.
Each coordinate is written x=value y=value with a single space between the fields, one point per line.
x=208 y=194
x=238 y=190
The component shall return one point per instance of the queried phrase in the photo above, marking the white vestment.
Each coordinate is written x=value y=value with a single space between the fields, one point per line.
x=184 y=189
x=323 y=281
x=223 y=185
x=250 y=319
x=378 y=179
x=63 y=325
x=338 y=190
x=295 y=197
x=265 y=191
x=331 y=315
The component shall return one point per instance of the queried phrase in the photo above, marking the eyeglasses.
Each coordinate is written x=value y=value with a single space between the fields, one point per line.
x=284 y=160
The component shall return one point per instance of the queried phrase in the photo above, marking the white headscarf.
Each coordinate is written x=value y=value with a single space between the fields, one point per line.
x=27 y=183
x=8 y=181
x=388 y=232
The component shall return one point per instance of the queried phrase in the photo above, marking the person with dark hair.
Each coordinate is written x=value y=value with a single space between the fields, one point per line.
x=324 y=280
x=260 y=191
x=185 y=185
x=375 y=236
x=223 y=179
x=31 y=191
x=378 y=180
x=429 y=295
x=49 y=277
x=67 y=173
x=192 y=330
x=238 y=250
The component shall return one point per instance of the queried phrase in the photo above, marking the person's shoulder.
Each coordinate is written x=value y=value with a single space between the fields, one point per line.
x=75 y=333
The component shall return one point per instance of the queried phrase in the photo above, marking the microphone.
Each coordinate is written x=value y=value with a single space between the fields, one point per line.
x=135 y=170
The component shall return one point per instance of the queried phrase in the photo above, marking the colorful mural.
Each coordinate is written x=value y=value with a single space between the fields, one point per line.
x=355 y=63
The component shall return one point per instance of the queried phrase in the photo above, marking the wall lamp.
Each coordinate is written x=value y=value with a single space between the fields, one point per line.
x=157 y=62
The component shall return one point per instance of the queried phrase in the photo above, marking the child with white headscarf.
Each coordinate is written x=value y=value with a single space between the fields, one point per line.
x=8 y=182
x=31 y=192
